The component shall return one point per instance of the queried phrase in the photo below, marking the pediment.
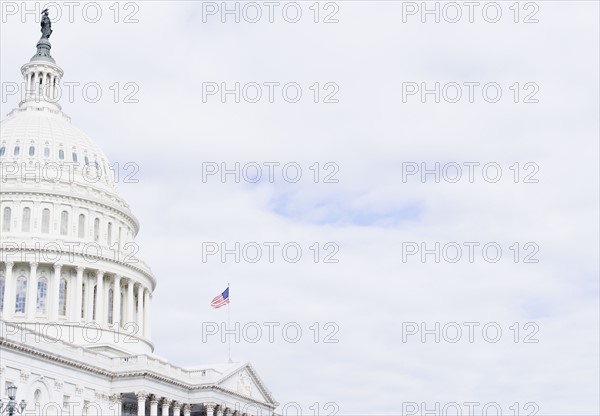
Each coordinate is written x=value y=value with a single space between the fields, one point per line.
x=244 y=381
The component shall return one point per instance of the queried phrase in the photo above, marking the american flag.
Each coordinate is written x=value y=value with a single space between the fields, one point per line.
x=221 y=300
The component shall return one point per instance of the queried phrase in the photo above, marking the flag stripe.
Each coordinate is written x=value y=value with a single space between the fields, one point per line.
x=221 y=300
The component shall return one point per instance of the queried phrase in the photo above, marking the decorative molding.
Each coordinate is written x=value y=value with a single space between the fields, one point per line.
x=58 y=385
x=111 y=375
x=25 y=376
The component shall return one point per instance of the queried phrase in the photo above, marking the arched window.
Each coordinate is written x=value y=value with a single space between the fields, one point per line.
x=62 y=298
x=2 y=151
x=42 y=295
x=81 y=226
x=45 y=221
x=97 y=229
x=31 y=150
x=111 y=301
x=6 y=219
x=74 y=157
x=37 y=396
x=21 y=295
x=2 y=285
x=17 y=150
x=64 y=223
x=46 y=152
x=86 y=160
x=26 y=223
x=61 y=154
x=109 y=233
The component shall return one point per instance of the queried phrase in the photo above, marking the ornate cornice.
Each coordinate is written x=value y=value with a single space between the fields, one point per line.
x=113 y=375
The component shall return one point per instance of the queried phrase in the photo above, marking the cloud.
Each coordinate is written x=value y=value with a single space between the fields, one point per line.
x=370 y=292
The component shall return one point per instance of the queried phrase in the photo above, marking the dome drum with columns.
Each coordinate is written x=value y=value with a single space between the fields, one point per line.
x=75 y=301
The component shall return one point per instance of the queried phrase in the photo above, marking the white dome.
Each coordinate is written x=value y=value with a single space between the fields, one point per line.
x=32 y=137
x=69 y=255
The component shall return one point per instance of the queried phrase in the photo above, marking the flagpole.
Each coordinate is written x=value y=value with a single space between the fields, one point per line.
x=229 y=321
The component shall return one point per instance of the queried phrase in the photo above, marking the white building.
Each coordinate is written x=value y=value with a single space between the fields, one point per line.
x=75 y=302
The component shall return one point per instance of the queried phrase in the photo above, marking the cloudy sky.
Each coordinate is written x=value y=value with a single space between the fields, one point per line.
x=369 y=144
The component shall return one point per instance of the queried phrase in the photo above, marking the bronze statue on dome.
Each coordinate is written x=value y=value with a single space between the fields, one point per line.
x=46 y=24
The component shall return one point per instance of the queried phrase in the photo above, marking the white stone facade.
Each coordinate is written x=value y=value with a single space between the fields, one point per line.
x=75 y=301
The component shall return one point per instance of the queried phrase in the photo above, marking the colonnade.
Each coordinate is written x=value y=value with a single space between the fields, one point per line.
x=56 y=292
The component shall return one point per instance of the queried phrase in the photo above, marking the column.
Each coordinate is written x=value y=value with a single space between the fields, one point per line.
x=176 y=408
x=48 y=87
x=89 y=309
x=52 y=87
x=78 y=295
x=141 y=398
x=147 y=313
x=130 y=310
x=32 y=291
x=116 y=312
x=165 y=406
x=9 y=292
x=36 y=86
x=100 y=298
x=187 y=410
x=210 y=409
x=140 y=310
x=117 y=402
x=153 y=405
x=54 y=288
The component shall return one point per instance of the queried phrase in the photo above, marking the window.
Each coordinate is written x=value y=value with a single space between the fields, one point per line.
x=97 y=229
x=45 y=221
x=31 y=150
x=111 y=301
x=26 y=225
x=83 y=301
x=2 y=150
x=81 y=226
x=64 y=223
x=2 y=285
x=109 y=233
x=94 y=303
x=37 y=396
x=17 y=150
x=62 y=298
x=66 y=403
x=21 y=294
x=6 y=219
x=46 y=152
x=42 y=295
x=122 y=306
x=74 y=157
x=86 y=160
x=61 y=154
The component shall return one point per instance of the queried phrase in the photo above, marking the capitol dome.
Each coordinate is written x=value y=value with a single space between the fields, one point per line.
x=33 y=135
x=68 y=238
